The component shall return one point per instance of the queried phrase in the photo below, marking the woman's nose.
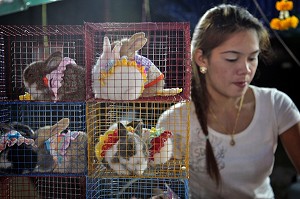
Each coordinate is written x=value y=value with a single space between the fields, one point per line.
x=244 y=68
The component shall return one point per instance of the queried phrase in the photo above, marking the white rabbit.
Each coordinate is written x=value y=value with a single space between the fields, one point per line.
x=154 y=86
x=114 y=77
x=176 y=120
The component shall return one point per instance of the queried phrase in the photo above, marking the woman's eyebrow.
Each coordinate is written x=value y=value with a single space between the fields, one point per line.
x=237 y=52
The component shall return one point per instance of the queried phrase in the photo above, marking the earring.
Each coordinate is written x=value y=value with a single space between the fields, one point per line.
x=203 y=69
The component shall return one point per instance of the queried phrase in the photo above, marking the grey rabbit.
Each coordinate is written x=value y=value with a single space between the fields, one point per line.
x=129 y=155
x=55 y=79
x=69 y=158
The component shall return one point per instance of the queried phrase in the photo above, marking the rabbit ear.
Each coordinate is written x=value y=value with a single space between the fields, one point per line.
x=48 y=131
x=134 y=123
x=53 y=60
x=139 y=129
x=135 y=43
x=25 y=130
x=137 y=125
x=122 y=131
x=60 y=126
x=116 y=51
x=106 y=48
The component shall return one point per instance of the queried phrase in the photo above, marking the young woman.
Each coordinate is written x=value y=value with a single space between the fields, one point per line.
x=234 y=126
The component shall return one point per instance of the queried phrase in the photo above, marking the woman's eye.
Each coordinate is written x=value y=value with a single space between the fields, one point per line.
x=252 y=58
x=231 y=60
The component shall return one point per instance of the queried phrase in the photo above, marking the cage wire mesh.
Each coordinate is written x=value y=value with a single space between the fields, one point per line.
x=24 y=45
x=148 y=154
x=160 y=71
x=61 y=187
x=3 y=94
x=54 y=163
x=142 y=188
x=58 y=187
x=57 y=145
x=18 y=187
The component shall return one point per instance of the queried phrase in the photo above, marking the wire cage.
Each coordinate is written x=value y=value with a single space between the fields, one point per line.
x=59 y=134
x=123 y=140
x=137 y=188
x=160 y=70
x=43 y=138
x=51 y=76
x=58 y=187
x=18 y=187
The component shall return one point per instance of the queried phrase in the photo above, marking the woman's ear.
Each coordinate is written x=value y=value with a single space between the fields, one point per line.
x=199 y=58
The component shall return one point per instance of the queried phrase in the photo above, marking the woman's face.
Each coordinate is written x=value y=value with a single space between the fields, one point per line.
x=232 y=65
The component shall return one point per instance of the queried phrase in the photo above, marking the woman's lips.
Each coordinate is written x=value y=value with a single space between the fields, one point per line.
x=240 y=84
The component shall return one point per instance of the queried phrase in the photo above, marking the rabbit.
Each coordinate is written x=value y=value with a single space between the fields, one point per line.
x=18 y=153
x=176 y=119
x=159 y=143
x=60 y=150
x=154 y=86
x=124 y=151
x=114 y=78
x=55 y=79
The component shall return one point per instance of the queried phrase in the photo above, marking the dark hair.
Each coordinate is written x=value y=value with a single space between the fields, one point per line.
x=213 y=28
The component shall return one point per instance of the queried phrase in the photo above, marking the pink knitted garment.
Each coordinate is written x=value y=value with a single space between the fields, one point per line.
x=56 y=76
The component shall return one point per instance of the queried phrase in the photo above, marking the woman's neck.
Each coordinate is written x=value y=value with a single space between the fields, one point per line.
x=231 y=114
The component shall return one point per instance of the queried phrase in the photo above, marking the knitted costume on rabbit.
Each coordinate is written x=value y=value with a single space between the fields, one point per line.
x=55 y=79
x=18 y=153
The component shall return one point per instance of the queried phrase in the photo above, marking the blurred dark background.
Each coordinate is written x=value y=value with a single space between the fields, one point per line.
x=280 y=72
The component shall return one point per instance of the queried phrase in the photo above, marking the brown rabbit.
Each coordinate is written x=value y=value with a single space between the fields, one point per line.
x=55 y=79
x=60 y=152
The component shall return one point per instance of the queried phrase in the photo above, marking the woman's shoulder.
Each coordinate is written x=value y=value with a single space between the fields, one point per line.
x=263 y=90
x=267 y=91
x=273 y=95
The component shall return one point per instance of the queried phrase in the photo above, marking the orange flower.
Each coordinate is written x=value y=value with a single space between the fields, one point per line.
x=284 y=5
x=284 y=21
x=285 y=24
x=294 y=21
x=275 y=24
